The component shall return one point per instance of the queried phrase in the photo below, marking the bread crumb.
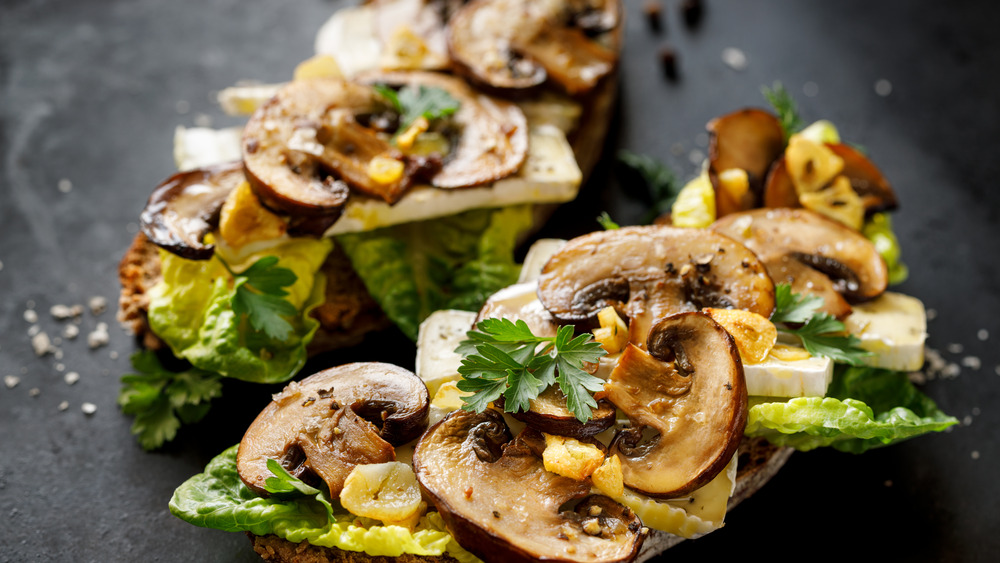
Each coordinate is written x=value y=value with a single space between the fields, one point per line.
x=99 y=337
x=71 y=331
x=97 y=304
x=41 y=344
x=11 y=381
x=88 y=408
x=71 y=377
x=63 y=312
x=30 y=316
x=734 y=58
x=64 y=405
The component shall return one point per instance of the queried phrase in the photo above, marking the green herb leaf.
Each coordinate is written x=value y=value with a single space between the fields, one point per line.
x=258 y=295
x=784 y=105
x=504 y=358
x=285 y=482
x=161 y=400
x=821 y=334
x=793 y=307
x=660 y=180
x=606 y=222
x=421 y=101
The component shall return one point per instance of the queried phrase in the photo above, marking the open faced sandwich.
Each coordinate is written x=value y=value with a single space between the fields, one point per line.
x=393 y=176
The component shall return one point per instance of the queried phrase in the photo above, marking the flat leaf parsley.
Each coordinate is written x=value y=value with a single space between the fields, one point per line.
x=821 y=334
x=259 y=294
x=504 y=358
x=162 y=400
x=413 y=103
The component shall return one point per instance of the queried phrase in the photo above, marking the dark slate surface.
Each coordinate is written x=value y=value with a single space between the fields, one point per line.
x=90 y=93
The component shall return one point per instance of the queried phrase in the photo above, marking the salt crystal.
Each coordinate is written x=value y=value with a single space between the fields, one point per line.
x=33 y=330
x=99 y=337
x=65 y=186
x=41 y=344
x=34 y=391
x=1 y=265
x=11 y=381
x=71 y=332
x=113 y=354
x=983 y=335
x=967 y=420
x=883 y=87
x=97 y=304
x=30 y=316
x=975 y=454
x=955 y=348
x=88 y=408
x=972 y=362
x=64 y=405
x=60 y=367
x=931 y=314
x=71 y=377
x=734 y=58
x=63 y=312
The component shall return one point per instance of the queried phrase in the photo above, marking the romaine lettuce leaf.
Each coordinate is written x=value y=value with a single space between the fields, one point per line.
x=191 y=310
x=453 y=262
x=218 y=499
x=866 y=408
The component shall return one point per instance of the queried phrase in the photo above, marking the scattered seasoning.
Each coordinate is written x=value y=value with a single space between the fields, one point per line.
x=203 y=120
x=132 y=228
x=64 y=405
x=883 y=87
x=60 y=367
x=88 y=408
x=65 y=186
x=955 y=348
x=71 y=332
x=113 y=354
x=99 y=337
x=668 y=62
x=71 y=377
x=983 y=335
x=967 y=421
x=11 y=381
x=996 y=370
x=63 y=312
x=972 y=362
x=34 y=392
x=734 y=58
x=691 y=12
x=975 y=454
x=97 y=304
x=810 y=89
x=41 y=344
x=931 y=314
x=182 y=106
x=888 y=482
x=33 y=330
x=30 y=316
x=654 y=15
x=1 y=264
x=696 y=157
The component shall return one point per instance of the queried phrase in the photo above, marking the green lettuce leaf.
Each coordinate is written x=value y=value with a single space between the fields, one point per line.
x=878 y=229
x=453 y=262
x=865 y=408
x=218 y=499
x=191 y=309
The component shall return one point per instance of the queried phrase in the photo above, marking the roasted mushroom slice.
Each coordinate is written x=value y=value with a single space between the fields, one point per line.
x=548 y=413
x=517 y=44
x=689 y=388
x=305 y=146
x=184 y=208
x=466 y=464
x=844 y=255
x=650 y=272
x=491 y=135
x=866 y=179
x=749 y=139
x=333 y=420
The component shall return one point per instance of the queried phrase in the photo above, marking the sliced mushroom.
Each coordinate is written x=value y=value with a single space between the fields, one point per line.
x=492 y=134
x=549 y=414
x=333 y=420
x=843 y=255
x=467 y=463
x=184 y=208
x=690 y=389
x=517 y=44
x=651 y=272
x=866 y=179
x=749 y=139
x=305 y=146
x=779 y=191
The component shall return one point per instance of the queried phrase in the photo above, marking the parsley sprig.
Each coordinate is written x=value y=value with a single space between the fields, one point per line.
x=784 y=105
x=259 y=295
x=503 y=358
x=284 y=483
x=821 y=334
x=414 y=102
x=161 y=400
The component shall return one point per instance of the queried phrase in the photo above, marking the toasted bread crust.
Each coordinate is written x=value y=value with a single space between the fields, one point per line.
x=278 y=550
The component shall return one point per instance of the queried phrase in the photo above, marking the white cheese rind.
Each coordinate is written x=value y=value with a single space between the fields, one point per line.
x=439 y=335
x=893 y=328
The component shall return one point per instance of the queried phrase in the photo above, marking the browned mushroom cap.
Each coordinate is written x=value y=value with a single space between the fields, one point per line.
x=333 y=420
x=500 y=503
x=651 y=272
x=750 y=139
x=690 y=390
x=779 y=191
x=184 y=208
x=492 y=140
x=844 y=255
x=549 y=414
x=517 y=44
x=866 y=179
x=305 y=146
